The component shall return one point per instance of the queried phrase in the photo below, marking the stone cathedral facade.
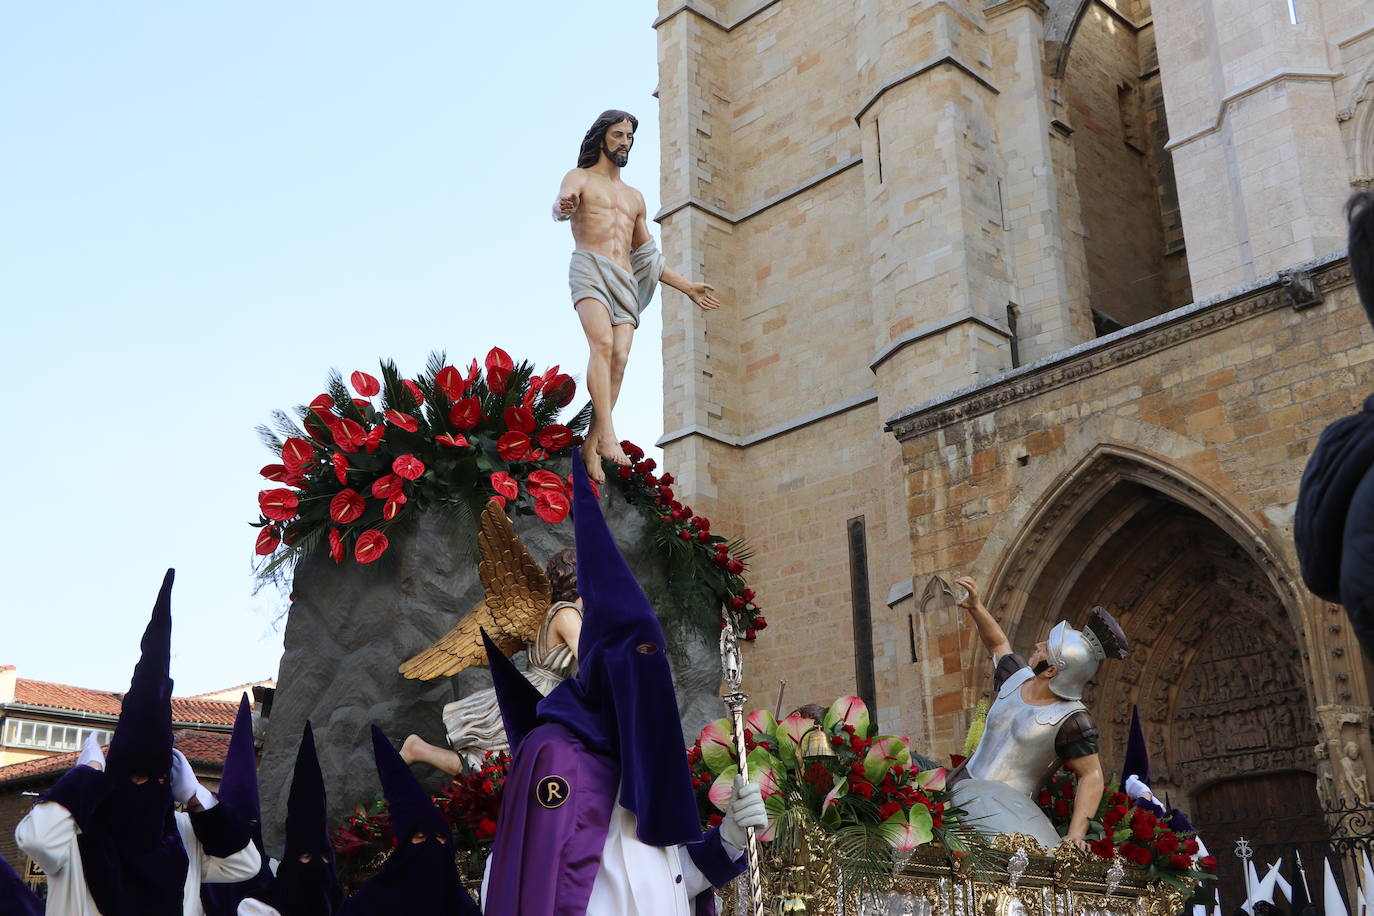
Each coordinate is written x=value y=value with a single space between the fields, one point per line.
x=1052 y=294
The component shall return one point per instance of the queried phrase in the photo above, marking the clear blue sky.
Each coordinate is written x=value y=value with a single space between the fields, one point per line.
x=205 y=207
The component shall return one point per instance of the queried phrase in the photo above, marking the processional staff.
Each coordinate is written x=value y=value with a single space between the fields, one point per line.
x=732 y=668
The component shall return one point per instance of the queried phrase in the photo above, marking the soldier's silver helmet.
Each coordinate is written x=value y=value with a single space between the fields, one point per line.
x=1077 y=653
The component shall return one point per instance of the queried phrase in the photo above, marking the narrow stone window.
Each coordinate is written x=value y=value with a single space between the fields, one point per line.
x=864 y=680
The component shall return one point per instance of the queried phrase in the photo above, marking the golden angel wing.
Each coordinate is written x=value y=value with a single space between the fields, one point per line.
x=517 y=589
x=517 y=596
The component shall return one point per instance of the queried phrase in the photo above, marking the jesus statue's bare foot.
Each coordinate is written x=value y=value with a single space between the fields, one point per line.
x=608 y=447
x=591 y=460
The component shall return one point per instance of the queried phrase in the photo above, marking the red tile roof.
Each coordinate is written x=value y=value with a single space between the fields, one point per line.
x=206 y=749
x=82 y=699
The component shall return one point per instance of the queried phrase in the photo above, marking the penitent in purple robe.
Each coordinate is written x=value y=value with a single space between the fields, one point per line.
x=602 y=750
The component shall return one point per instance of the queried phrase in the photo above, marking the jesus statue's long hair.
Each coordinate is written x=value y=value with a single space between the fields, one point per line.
x=596 y=136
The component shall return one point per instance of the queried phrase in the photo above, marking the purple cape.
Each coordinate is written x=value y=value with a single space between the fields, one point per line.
x=544 y=860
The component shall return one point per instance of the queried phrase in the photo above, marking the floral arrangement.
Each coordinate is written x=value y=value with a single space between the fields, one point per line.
x=1138 y=835
x=873 y=786
x=469 y=803
x=357 y=461
x=364 y=457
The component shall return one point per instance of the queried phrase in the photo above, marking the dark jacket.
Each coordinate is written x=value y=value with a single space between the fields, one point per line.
x=1334 y=525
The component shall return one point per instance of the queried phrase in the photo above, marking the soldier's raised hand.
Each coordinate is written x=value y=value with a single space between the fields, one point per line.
x=969 y=599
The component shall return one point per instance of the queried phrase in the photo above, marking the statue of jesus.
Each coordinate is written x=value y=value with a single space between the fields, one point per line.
x=614 y=271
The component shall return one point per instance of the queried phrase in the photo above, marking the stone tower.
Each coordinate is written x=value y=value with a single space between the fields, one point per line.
x=1004 y=299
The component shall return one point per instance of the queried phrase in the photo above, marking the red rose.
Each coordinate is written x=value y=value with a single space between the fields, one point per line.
x=374 y=438
x=274 y=471
x=555 y=437
x=371 y=545
x=667 y=480
x=1166 y=844
x=1102 y=848
x=452 y=440
x=760 y=623
x=887 y=809
x=560 y=390
x=402 y=420
x=1209 y=864
x=1061 y=808
x=486 y=828
x=388 y=487
x=268 y=539
x=513 y=446
x=340 y=468
x=1180 y=861
x=1143 y=831
x=349 y=435
x=1190 y=846
x=624 y=472
x=415 y=391
x=336 y=550
x=519 y=419
x=448 y=381
x=408 y=466
x=737 y=603
x=392 y=508
x=735 y=566
x=346 y=506
x=505 y=485
x=466 y=414
x=279 y=505
x=552 y=506
x=1066 y=789
x=297 y=453
x=364 y=384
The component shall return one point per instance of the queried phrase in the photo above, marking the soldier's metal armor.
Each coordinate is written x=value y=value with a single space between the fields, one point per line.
x=1018 y=741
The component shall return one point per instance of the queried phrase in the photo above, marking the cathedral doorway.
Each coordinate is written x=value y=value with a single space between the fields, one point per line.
x=1216 y=668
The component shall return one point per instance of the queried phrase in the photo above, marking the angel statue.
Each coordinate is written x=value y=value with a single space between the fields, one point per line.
x=525 y=608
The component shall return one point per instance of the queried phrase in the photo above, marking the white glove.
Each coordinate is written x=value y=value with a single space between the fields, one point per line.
x=91 y=755
x=1136 y=790
x=185 y=786
x=745 y=810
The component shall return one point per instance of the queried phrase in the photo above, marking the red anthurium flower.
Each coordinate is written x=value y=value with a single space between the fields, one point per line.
x=473 y=371
x=450 y=383
x=391 y=508
x=555 y=437
x=552 y=505
x=349 y=435
x=560 y=390
x=371 y=545
x=414 y=390
x=452 y=440
x=544 y=480
x=374 y=438
x=297 y=453
x=387 y=487
x=322 y=405
x=550 y=373
x=336 y=550
x=519 y=419
x=408 y=466
x=513 y=446
x=273 y=471
x=527 y=401
x=364 y=384
x=294 y=478
x=499 y=359
x=466 y=414
x=402 y=420
x=268 y=539
x=340 y=468
x=346 y=506
x=499 y=500
x=279 y=505
x=505 y=485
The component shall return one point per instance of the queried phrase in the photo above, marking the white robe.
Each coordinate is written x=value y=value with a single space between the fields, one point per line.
x=48 y=834
x=637 y=879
